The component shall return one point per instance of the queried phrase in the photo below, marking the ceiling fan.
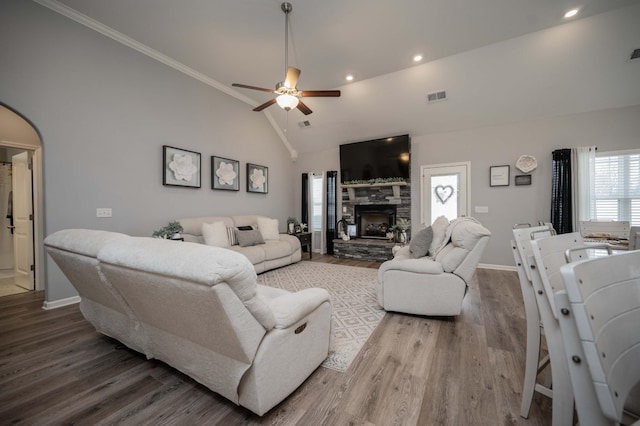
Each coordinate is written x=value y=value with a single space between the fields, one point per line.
x=288 y=95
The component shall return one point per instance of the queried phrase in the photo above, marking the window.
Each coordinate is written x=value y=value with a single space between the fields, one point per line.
x=617 y=186
x=317 y=194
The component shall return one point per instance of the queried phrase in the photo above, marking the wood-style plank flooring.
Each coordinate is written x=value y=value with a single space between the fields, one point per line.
x=56 y=369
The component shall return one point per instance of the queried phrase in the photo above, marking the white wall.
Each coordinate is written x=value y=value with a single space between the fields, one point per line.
x=104 y=111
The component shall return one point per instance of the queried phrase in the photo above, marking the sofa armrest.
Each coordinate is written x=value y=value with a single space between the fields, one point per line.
x=423 y=265
x=291 y=308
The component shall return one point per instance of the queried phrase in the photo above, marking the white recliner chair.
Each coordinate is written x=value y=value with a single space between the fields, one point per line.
x=434 y=285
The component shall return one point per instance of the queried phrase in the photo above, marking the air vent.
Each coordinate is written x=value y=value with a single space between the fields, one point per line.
x=437 y=96
x=305 y=123
x=635 y=55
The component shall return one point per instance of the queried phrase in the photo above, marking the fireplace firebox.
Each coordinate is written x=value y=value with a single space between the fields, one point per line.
x=373 y=220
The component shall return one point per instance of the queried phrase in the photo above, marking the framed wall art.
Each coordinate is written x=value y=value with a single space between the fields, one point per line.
x=180 y=167
x=257 y=178
x=499 y=176
x=523 y=180
x=225 y=174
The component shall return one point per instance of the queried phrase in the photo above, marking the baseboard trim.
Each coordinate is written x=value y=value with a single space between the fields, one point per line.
x=497 y=267
x=60 y=303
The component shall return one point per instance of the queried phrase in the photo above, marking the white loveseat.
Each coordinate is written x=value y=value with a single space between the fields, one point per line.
x=198 y=308
x=435 y=284
x=278 y=249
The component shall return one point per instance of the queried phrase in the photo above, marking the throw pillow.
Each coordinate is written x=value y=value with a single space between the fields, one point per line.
x=231 y=234
x=421 y=242
x=215 y=234
x=249 y=238
x=439 y=227
x=269 y=228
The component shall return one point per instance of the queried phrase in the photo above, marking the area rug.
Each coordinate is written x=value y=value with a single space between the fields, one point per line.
x=353 y=296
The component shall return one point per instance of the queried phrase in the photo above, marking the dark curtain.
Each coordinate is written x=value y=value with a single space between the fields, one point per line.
x=561 y=214
x=332 y=206
x=304 y=216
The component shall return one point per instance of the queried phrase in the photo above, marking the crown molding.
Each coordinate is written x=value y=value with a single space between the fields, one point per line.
x=160 y=57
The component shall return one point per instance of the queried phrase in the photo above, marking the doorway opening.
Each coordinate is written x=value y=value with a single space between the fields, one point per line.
x=21 y=230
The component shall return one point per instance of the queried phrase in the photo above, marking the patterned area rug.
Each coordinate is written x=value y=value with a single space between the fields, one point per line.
x=353 y=296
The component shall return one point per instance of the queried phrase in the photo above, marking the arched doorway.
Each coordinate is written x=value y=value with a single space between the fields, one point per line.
x=21 y=201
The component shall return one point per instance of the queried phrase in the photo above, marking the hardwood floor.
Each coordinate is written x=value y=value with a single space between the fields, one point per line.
x=56 y=369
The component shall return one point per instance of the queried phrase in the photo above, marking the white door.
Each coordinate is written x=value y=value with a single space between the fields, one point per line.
x=445 y=191
x=22 y=221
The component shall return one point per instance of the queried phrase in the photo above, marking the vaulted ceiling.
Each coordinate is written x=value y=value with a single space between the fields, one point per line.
x=242 y=41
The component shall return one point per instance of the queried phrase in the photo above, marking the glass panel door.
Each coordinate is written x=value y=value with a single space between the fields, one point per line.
x=444 y=191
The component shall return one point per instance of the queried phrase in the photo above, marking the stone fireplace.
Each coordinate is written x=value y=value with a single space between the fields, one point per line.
x=372 y=208
x=373 y=220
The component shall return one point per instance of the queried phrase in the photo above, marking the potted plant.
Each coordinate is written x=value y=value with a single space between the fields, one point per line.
x=292 y=223
x=401 y=227
x=171 y=231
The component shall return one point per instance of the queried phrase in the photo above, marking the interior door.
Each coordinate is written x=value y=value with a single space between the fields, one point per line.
x=22 y=221
x=445 y=191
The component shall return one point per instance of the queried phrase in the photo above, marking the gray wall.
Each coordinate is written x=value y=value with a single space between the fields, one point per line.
x=609 y=130
x=104 y=111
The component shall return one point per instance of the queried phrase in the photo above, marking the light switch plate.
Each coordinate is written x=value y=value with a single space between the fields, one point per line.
x=482 y=209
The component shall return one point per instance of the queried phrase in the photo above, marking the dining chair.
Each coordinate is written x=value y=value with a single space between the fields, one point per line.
x=534 y=363
x=599 y=315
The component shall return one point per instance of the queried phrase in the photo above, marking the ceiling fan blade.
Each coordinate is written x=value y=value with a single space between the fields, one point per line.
x=253 y=87
x=320 y=93
x=303 y=108
x=264 y=105
x=292 y=77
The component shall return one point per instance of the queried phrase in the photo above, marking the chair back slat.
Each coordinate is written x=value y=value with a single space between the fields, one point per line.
x=604 y=296
x=549 y=254
x=523 y=237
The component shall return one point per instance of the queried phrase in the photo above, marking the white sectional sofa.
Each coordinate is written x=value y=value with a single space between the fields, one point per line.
x=198 y=308
x=276 y=251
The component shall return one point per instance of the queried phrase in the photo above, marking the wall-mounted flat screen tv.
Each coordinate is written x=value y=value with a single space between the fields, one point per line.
x=380 y=158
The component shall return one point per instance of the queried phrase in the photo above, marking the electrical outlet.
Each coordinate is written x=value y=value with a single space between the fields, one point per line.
x=103 y=212
x=482 y=209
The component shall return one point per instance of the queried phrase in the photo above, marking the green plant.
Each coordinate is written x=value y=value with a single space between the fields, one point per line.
x=169 y=230
x=402 y=224
x=294 y=220
x=375 y=181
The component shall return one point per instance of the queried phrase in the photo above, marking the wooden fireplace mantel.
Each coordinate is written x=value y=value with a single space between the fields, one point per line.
x=351 y=188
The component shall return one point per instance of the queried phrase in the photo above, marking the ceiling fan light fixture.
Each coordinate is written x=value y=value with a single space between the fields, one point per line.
x=287 y=102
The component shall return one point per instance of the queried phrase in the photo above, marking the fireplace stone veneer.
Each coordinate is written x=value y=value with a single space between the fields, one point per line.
x=383 y=196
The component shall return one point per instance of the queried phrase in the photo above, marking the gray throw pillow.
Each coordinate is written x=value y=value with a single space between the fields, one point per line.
x=420 y=243
x=249 y=238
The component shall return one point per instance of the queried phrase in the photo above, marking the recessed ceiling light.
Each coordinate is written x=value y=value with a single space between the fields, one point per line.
x=349 y=77
x=571 y=13
x=417 y=58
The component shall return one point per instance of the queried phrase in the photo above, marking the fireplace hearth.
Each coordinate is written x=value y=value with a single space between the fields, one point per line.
x=373 y=220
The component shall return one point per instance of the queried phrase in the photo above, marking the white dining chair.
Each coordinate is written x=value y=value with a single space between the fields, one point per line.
x=599 y=315
x=534 y=363
x=548 y=257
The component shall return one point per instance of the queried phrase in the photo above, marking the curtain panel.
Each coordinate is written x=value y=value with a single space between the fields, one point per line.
x=304 y=208
x=583 y=160
x=332 y=209
x=561 y=198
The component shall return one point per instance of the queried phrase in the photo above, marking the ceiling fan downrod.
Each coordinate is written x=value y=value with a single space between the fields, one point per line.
x=286 y=8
